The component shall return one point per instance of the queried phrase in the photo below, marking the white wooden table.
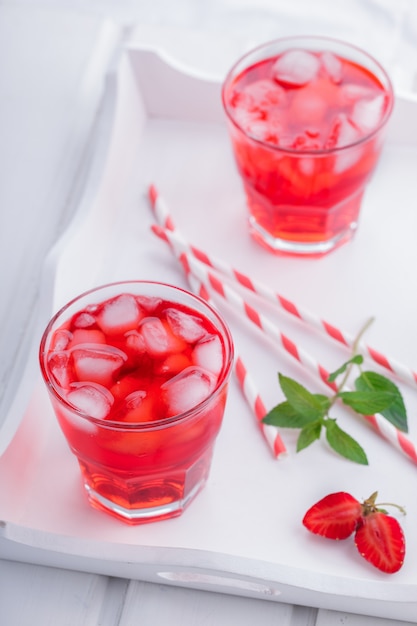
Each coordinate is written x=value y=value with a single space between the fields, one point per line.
x=43 y=150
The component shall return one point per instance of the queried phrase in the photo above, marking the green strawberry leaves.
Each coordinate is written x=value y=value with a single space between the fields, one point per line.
x=309 y=412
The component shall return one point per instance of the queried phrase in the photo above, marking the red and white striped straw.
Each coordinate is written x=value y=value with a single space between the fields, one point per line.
x=397 y=438
x=247 y=386
x=401 y=371
x=160 y=210
x=244 y=378
x=251 y=393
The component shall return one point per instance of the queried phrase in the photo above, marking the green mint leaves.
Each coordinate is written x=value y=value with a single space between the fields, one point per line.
x=310 y=412
x=379 y=386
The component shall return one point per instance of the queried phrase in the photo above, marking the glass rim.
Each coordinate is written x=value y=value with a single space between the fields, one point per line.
x=224 y=375
x=314 y=39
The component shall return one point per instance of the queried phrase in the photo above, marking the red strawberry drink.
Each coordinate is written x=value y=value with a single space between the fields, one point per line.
x=306 y=118
x=137 y=374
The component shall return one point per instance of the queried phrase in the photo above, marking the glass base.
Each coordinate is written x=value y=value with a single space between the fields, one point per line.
x=138 y=497
x=301 y=248
x=144 y=514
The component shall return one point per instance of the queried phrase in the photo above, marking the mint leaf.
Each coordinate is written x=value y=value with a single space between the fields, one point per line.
x=309 y=412
x=312 y=406
x=367 y=402
x=357 y=359
x=285 y=416
x=308 y=435
x=344 y=444
x=395 y=412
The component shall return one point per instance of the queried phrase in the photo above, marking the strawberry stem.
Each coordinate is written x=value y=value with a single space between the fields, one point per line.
x=397 y=506
x=370 y=505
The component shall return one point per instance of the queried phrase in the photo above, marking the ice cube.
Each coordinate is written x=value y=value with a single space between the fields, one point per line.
x=241 y=101
x=263 y=130
x=343 y=134
x=87 y=335
x=208 y=354
x=60 y=340
x=148 y=303
x=83 y=320
x=295 y=68
x=185 y=325
x=333 y=66
x=158 y=337
x=187 y=389
x=98 y=365
x=119 y=315
x=60 y=367
x=352 y=92
x=137 y=407
x=91 y=399
x=245 y=118
x=308 y=108
x=154 y=336
x=262 y=94
x=367 y=114
x=135 y=342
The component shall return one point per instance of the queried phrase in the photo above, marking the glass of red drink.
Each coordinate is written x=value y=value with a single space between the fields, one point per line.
x=306 y=117
x=137 y=373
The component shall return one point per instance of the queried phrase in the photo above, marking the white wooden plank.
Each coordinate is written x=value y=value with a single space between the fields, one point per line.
x=331 y=618
x=33 y=594
x=112 y=606
x=150 y=604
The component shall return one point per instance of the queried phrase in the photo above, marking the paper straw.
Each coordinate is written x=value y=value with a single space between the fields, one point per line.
x=402 y=372
x=160 y=209
x=247 y=386
x=388 y=431
x=252 y=396
x=244 y=378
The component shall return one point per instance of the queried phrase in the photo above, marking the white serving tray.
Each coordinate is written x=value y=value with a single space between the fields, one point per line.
x=243 y=533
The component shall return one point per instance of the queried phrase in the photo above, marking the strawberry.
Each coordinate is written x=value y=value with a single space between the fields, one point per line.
x=380 y=540
x=378 y=536
x=336 y=516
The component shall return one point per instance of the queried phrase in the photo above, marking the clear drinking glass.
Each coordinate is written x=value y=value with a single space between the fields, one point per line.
x=306 y=117
x=137 y=373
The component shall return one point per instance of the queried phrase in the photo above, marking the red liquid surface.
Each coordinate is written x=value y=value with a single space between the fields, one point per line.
x=304 y=139
x=133 y=363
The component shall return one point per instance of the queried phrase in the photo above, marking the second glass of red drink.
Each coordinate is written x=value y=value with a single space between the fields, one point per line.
x=306 y=117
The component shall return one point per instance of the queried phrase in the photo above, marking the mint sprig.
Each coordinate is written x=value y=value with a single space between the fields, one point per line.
x=310 y=412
